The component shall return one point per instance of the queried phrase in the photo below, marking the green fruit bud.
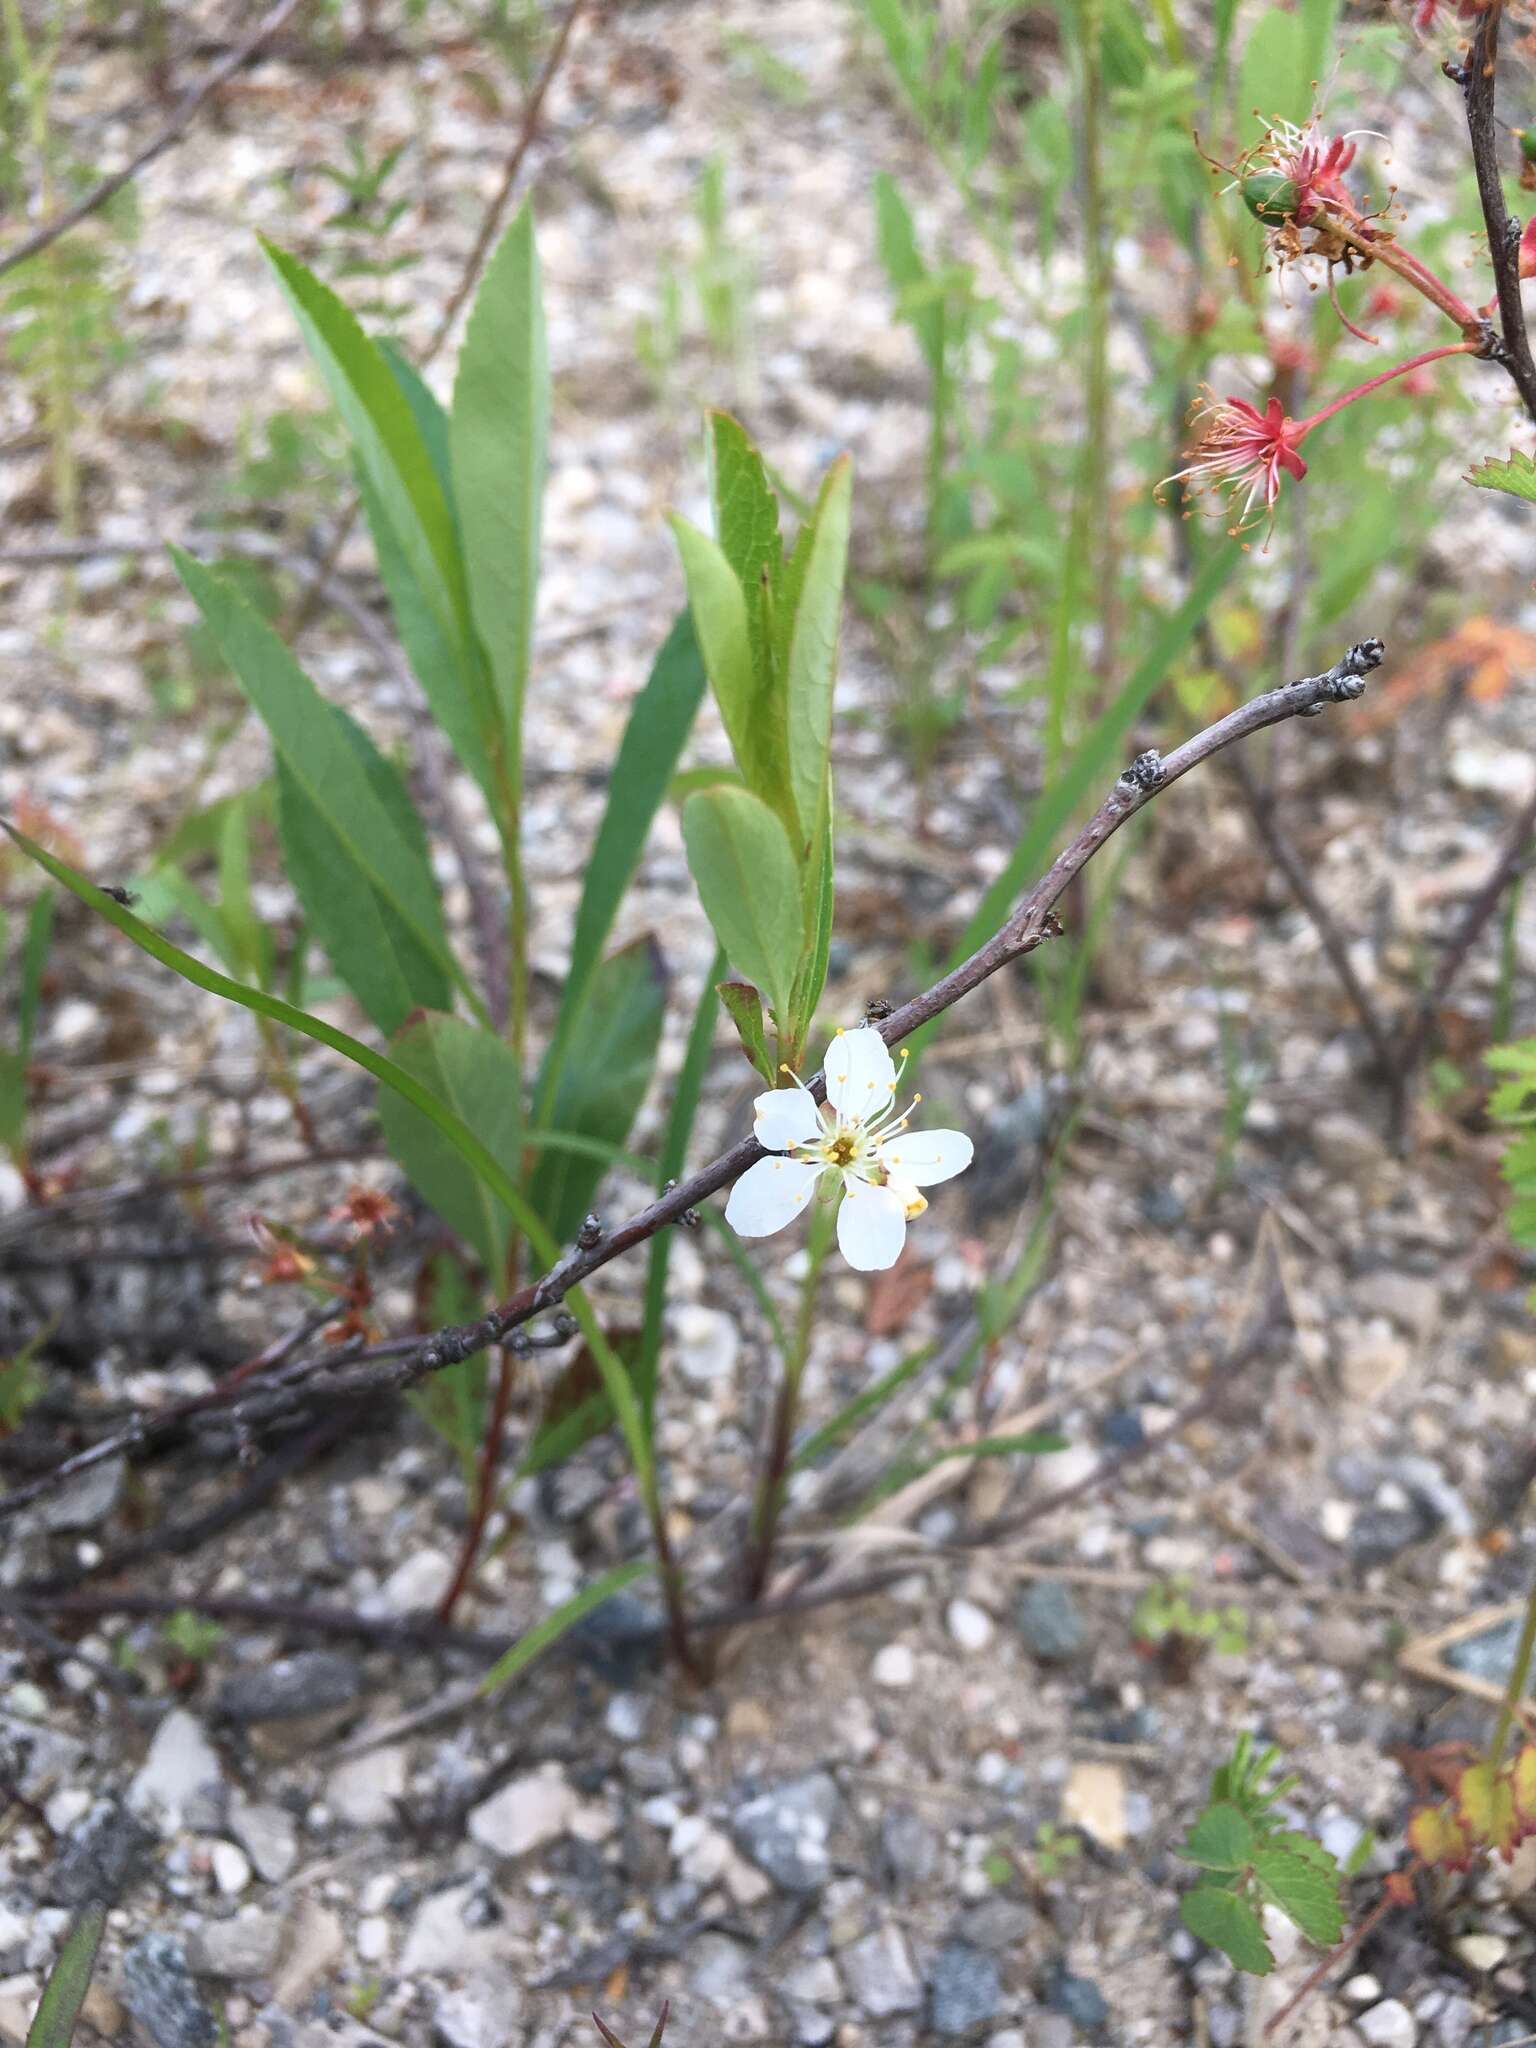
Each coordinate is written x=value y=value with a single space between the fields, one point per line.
x=1270 y=196
x=1526 y=137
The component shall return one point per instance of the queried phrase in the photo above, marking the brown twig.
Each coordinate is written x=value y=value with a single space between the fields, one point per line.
x=384 y=1369
x=485 y=1482
x=186 y=113
x=1512 y=347
x=1473 y=919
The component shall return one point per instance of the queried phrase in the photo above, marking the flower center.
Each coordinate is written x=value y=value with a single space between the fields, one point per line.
x=842 y=1150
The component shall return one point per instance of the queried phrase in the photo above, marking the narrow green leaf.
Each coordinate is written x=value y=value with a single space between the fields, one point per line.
x=754 y=720
x=603 y=1082
x=812 y=978
x=686 y=1091
x=896 y=239
x=744 y=1007
x=475 y=1074
x=1274 y=77
x=658 y=725
x=536 y=1640
x=34 y=958
x=812 y=666
x=864 y=1404
x=349 y=844
x=1516 y=475
x=452 y=676
x=378 y=957
x=747 y=528
x=68 y=1982
x=747 y=879
x=1225 y=1920
x=1221 y=1839
x=383 y=430
x=499 y=437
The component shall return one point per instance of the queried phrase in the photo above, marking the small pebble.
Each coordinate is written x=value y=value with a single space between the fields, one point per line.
x=894 y=1666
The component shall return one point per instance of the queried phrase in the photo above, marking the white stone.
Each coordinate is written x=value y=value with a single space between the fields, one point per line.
x=316 y=1945
x=971 y=1626
x=372 y=1942
x=231 y=1869
x=525 y=1814
x=418 y=1584
x=441 y=1939
x=626 y=1717
x=181 y=1763
x=362 y=1791
x=894 y=1666
x=1362 y=1990
x=268 y=1835
x=1388 y=2025
x=1482 y=1952
x=66 y=1809
x=708 y=1343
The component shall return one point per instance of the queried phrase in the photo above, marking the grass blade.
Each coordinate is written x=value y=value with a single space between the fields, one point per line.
x=68 y=1982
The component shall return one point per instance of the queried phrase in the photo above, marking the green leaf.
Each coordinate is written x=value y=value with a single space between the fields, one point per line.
x=747 y=529
x=754 y=720
x=475 y=1074
x=896 y=239
x=1274 y=77
x=812 y=978
x=1517 y=475
x=1220 y=1839
x=499 y=436
x=658 y=725
x=812 y=666
x=686 y=1090
x=741 y=862
x=394 y=457
x=452 y=676
x=68 y=1982
x=744 y=1007
x=1225 y=1920
x=604 y=1080
x=34 y=958
x=536 y=1640
x=359 y=866
x=615 y=1379
x=1300 y=1877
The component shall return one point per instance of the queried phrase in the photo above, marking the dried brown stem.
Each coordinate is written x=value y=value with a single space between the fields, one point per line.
x=186 y=113
x=1512 y=348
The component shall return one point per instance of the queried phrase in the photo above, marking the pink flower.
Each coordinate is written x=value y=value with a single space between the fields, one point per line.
x=1528 y=249
x=1242 y=451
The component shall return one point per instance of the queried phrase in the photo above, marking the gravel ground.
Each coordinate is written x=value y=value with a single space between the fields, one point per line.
x=838 y=1838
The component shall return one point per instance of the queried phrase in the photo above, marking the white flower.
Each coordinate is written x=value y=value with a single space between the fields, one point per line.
x=855 y=1144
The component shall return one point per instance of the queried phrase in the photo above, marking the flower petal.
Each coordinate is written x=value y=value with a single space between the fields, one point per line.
x=871 y=1226
x=769 y=1195
x=861 y=1075
x=784 y=1118
x=922 y=1158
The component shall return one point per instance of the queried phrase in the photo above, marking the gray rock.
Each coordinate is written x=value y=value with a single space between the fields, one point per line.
x=36 y=1758
x=1454 y=2021
x=246 y=1946
x=785 y=1831
x=909 y=1849
x=159 y=1991
x=880 y=1974
x=964 y=1990
x=1049 y=1621
x=1379 y=1534
x=1050 y=2030
x=619 y=1639
x=1499 y=2035
x=1489 y=1654
x=101 y=1856
x=86 y=1500
x=1407 y=1299
x=485 y=2012
x=449 y=1932
x=268 y=1836
x=16 y=1924
x=313 y=1682
x=180 y=1779
x=996 y=1924
x=721 y=1970
x=1424 y=1480
x=1078 y=1999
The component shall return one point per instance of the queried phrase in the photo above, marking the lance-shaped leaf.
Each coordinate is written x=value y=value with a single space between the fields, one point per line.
x=499 y=438
x=475 y=1074
x=389 y=445
x=744 y=1007
x=754 y=719
x=69 y=1980
x=811 y=666
x=747 y=529
x=749 y=885
x=896 y=239
x=604 y=1079
x=658 y=725
x=351 y=852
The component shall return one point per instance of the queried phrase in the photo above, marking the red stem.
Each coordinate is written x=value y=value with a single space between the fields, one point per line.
x=485 y=1486
x=1433 y=355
